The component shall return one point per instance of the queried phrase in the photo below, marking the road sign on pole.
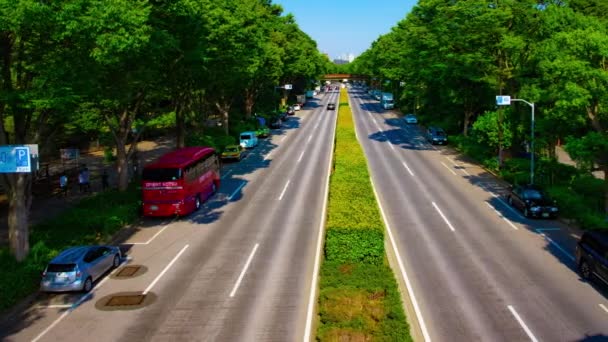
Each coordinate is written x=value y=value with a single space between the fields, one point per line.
x=15 y=159
x=288 y=87
x=504 y=100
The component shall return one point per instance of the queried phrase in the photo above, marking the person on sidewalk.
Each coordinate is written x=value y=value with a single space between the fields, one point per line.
x=104 y=180
x=63 y=184
x=84 y=179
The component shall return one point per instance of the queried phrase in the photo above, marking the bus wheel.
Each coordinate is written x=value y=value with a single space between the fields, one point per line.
x=197 y=202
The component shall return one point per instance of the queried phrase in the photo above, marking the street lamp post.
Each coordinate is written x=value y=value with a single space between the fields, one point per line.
x=506 y=101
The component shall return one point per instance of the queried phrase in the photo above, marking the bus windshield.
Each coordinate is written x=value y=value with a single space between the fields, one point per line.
x=162 y=175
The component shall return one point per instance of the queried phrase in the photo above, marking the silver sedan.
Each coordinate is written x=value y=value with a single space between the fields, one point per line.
x=77 y=268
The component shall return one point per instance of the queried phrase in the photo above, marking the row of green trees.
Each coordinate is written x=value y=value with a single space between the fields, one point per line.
x=449 y=59
x=95 y=67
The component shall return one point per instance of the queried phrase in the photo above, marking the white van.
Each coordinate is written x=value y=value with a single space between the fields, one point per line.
x=248 y=140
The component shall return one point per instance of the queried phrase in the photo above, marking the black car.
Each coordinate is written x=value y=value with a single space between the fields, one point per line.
x=592 y=255
x=274 y=122
x=436 y=135
x=331 y=106
x=291 y=111
x=532 y=201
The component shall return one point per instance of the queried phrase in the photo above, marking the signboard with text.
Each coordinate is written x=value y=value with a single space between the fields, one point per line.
x=503 y=100
x=15 y=159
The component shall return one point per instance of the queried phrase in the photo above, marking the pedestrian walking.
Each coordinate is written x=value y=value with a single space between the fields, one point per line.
x=84 y=180
x=104 y=180
x=63 y=184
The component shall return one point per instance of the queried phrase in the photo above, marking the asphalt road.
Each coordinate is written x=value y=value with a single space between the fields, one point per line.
x=240 y=269
x=478 y=270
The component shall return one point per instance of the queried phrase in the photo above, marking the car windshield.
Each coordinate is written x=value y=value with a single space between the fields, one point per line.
x=245 y=136
x=232 y=149
x=533 y=194
x=440 y=133
x=55 y=268
x=162 y=175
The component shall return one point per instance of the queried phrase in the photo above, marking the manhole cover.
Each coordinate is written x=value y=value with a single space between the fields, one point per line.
x=125 y=300
x=127 y=271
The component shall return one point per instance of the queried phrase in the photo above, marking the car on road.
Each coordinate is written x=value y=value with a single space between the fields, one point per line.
x=436 y=135
x=248 y=140
x=297 y=107
x=532 y=201
x=234 y=152
x=275 y=122
x=290 y=110
x=411 y=119
x=331 y=106
x=592 y=255
x=77 y=268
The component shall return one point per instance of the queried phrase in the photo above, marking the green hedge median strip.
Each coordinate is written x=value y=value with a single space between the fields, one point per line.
x=358 y=297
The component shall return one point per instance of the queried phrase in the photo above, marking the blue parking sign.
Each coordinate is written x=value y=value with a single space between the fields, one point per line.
x=15 y=159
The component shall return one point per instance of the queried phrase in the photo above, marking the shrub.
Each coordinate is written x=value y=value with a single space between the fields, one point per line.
x=352 y=246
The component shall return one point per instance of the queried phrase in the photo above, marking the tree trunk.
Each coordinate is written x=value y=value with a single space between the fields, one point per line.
x=122 y=166
x=249 y=102
x=467 y=120
x=18 y=212
x=180 y=132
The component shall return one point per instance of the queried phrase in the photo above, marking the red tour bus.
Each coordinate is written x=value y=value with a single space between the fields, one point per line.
x=179 y=181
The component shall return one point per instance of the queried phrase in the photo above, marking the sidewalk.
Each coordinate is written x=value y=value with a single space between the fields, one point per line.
x=44 y=207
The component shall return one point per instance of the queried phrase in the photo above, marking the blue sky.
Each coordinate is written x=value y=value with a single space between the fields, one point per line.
x=341 y=27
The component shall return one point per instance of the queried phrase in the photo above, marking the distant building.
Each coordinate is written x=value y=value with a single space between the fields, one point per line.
x=340 y=61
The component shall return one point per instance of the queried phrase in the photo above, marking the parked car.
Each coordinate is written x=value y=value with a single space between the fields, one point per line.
x=592 y=255
x=77 y=268
x=283 y=116
x=263 y=132
x=331 y=106
x=233 y=152
x=532 y=201
x=297 y=107
x=290 y=110
x=275 y=122
x=248 y=140
x=411 y=119
x=436 y=135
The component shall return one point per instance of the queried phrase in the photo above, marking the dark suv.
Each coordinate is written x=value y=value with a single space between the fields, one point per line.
x=436 y=135
x=592 y=255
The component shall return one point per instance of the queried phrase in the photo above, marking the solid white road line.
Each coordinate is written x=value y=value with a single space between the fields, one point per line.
x=37 y=338
x=443 y=217
x=447 y=167
x=301 y=155
x=408 y=284
x=313 y=284
x=501 y=216
x=284 y=189
x=165 y=270
x=522 y=323
x=503 y=202
x=458 y=165
x=604 y=307
x=268 y=155
x=238 y=281
x=392 y=147
x=152 y=238
x=570 y=256
x=408 y=168
x=235 y=191
x=226 y=174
